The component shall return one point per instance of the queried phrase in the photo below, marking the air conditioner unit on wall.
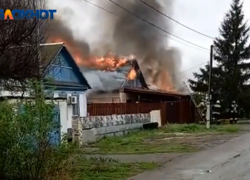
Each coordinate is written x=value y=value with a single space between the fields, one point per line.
x=72 y=100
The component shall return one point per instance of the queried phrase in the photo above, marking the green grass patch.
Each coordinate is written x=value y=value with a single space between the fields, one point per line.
x=108 y=169
x=143 y=148
x=197 y=128
x=154 y=141
x=226 y=128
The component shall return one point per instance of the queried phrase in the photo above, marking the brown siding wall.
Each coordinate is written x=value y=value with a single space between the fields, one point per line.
x=115 y=97
x=171 y=112
x=121 y=108
x=104 y=98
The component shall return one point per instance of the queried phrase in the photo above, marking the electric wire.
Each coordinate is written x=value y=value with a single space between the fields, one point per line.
x=176 y=20
x=156 y=25
x=200 y=48
x=199 y=65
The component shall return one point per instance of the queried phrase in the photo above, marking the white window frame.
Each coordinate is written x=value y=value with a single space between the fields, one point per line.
x=76 y=107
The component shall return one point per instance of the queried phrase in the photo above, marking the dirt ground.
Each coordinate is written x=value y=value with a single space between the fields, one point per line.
x=200 y=142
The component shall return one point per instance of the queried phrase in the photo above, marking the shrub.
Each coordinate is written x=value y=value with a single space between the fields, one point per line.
x=27 y=151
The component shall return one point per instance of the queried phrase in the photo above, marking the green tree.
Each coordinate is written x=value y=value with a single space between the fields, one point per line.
x=231 y=50
x=27 y=151
x=200 y=85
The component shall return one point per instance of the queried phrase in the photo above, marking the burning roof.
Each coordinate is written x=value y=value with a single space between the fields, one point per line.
x=107 y=73
x=111 y=71
x=114 y=79
x=88 y=40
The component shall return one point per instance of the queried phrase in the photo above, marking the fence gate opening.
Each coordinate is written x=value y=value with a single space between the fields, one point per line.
x=172 y=112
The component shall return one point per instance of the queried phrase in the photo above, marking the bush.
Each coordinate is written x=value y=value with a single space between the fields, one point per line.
x=27 y=151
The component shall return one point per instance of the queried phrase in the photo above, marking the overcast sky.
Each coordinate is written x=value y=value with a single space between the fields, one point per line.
x=203 y=16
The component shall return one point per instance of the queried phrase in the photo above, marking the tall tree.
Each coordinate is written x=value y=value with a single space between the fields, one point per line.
x=231 y=50
x=19 y=44
x=200 y=85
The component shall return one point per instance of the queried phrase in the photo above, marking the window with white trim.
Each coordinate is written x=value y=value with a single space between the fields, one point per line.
x=76 y=107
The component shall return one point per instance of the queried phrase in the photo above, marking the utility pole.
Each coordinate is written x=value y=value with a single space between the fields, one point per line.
x=209 y=88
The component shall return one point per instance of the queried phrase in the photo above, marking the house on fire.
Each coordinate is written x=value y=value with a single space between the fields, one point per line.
x=129 y=90
x=179 y=107
x=67 y=83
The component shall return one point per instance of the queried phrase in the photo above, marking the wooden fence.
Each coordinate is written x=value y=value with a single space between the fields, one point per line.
x=171 y=112
x=99 y=109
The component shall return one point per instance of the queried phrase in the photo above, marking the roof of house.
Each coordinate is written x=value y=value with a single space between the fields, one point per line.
x=134 y=64
x=150 y=88
x=110 y=80
x=146 y=88
x=50 y=50
x=155 y=92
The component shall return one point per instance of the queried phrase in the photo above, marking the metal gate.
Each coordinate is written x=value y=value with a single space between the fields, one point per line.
x=55 y=135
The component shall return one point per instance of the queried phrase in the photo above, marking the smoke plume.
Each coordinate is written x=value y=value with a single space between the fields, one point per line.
x=123 y=34
x=59 y=31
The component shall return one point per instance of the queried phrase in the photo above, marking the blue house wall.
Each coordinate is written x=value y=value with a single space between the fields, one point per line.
x=63 y=70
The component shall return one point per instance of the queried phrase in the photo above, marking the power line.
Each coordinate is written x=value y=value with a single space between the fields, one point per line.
x=101 y=8
x=156 y=26
x=202 y=50
x=177 y=74
x=159 y=34
x=153 y=25
x=176 y=21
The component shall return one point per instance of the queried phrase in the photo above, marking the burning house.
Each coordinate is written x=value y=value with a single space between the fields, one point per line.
x=128 y=86
x=145 y=76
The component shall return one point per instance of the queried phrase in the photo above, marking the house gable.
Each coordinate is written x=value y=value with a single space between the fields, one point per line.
x=136 y=83
x=61 y=69
x=139 y=81
x=64 y=72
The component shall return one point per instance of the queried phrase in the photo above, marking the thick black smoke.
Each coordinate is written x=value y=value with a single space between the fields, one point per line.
x=58 y=30
x=124 y=34
x=133 y=35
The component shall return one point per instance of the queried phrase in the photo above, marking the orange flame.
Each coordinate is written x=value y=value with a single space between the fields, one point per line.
x=132 y=74
x=109 y=62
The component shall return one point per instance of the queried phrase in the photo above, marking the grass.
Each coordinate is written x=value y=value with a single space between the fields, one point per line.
x=196 y=128
x=109 y=169
x=159 y=141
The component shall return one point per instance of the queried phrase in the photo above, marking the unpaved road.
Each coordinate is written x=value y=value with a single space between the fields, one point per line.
x=202 y=142
x=236 y=168
x=199 y=141
x=228 y=161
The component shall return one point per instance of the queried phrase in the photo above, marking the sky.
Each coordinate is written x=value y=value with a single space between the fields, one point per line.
x=203 y=16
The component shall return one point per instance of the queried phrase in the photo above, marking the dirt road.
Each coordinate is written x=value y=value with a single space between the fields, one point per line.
x=214 y=163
